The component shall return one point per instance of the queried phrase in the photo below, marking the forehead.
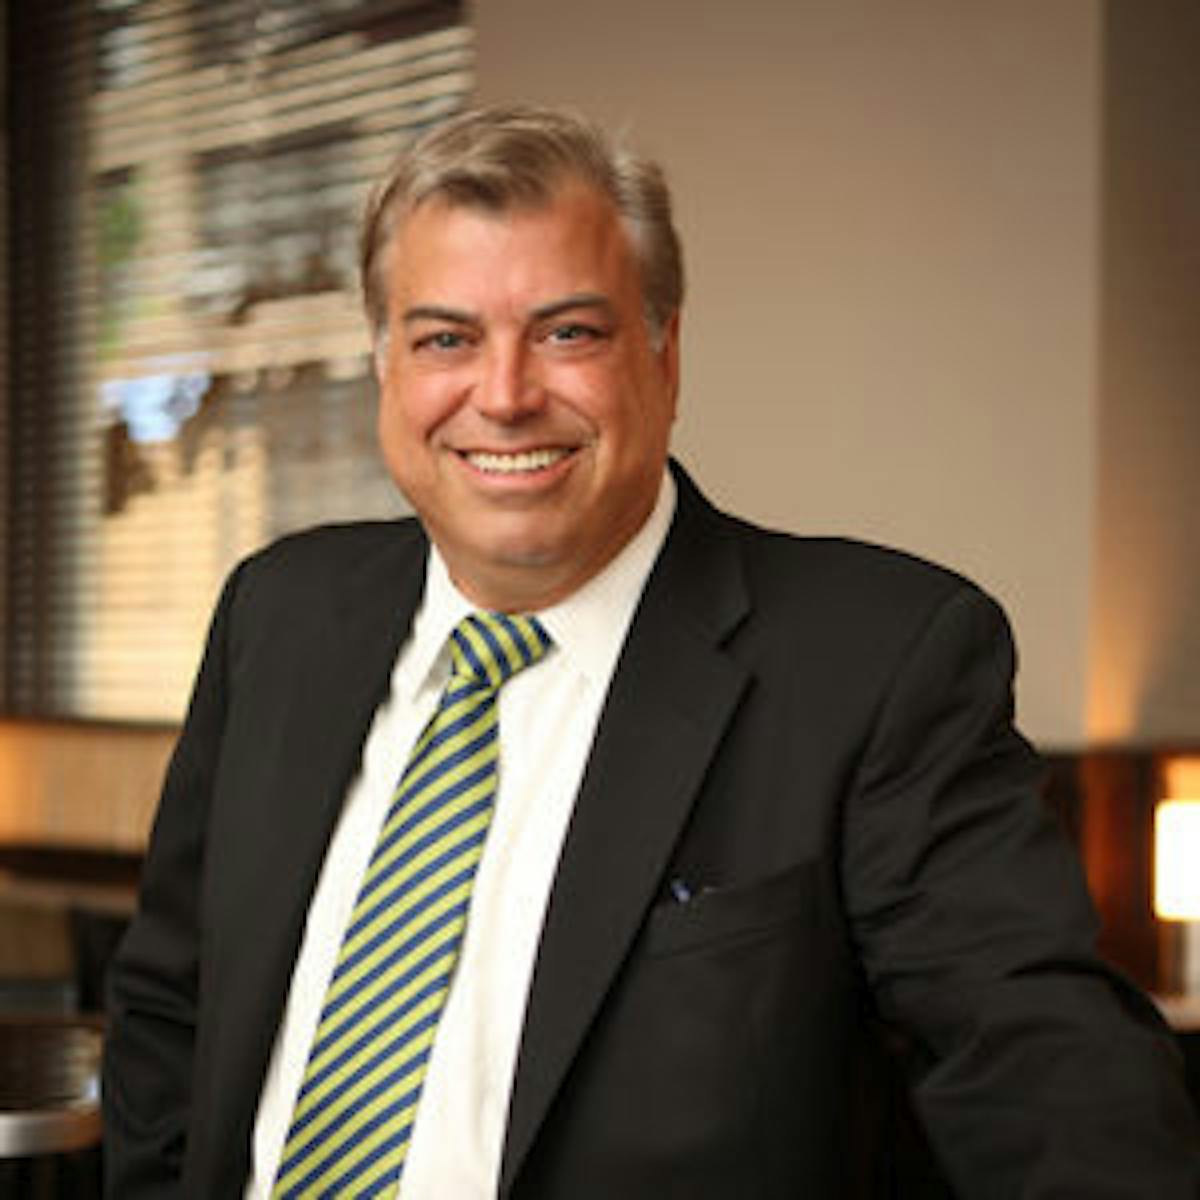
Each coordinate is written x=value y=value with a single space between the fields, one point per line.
x=574 y=236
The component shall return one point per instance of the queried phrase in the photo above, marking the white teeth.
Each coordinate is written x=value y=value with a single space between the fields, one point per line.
x=510 y=464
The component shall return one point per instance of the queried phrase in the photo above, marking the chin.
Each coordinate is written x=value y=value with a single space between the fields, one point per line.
x=513 y=541
x=523 y=555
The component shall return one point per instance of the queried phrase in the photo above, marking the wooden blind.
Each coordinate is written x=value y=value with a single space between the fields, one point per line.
x=187 y=358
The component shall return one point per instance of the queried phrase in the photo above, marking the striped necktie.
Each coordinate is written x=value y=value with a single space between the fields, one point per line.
x=354 y=1113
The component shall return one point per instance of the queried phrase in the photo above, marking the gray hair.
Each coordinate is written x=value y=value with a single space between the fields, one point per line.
x=506 y=157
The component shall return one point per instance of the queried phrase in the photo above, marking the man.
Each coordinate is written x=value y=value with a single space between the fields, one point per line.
x=760 y=798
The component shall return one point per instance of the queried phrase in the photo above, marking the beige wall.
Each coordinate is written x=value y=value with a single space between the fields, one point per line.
x=1145 y=648
x=891 y=218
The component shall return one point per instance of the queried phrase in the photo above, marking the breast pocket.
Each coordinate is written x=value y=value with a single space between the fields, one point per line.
x=729 y=915
x=710 y=1006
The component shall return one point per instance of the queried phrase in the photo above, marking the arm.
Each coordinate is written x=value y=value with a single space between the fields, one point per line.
x=1037 y=1071
x=154 y=979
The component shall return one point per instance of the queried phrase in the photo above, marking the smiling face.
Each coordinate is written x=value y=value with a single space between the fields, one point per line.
x=524 y=410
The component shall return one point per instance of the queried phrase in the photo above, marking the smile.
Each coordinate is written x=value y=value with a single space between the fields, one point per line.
x=514 y=464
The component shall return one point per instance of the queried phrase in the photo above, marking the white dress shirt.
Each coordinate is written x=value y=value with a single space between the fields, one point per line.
x=548 y=717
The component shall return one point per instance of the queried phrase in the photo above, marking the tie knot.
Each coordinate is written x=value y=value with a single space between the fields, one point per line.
x=489 y=648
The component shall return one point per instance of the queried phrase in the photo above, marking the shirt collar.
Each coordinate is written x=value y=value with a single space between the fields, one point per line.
x=589 y=626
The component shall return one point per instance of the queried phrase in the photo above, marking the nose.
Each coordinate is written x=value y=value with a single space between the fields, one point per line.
x=508 y=388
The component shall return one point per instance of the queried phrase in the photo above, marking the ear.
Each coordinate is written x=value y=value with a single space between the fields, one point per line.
x=379 y=357
x=668 y=358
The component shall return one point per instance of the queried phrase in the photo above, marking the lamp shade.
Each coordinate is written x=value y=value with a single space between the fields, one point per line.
x=1177 y=860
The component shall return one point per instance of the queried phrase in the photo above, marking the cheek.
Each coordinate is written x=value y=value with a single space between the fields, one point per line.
x=400 y=445
x=408 y=416
x=389 y=428
x=642 y=422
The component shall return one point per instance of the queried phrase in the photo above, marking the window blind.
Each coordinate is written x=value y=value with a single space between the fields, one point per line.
x=187 y=358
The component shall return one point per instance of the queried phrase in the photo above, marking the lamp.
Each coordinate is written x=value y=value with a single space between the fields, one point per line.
x=1177 y=860
x=1177 y=881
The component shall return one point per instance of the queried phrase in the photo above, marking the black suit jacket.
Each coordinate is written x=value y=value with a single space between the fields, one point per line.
x=811 y=739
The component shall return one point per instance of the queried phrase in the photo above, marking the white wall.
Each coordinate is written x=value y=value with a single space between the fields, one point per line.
x=891 y=218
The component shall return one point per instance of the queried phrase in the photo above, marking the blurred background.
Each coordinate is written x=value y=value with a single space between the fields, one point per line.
x=942 y=262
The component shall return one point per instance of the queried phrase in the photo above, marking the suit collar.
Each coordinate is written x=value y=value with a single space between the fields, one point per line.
x=672 y=696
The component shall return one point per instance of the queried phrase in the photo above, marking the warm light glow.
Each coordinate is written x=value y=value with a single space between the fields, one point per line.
x=1177 y=860
x=1180 y=776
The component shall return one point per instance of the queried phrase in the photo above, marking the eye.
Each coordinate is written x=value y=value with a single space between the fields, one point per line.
x=441 y=339
x=572 y=334
x=569 y=333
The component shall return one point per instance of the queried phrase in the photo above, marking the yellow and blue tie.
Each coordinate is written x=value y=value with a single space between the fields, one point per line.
x=354 y=1114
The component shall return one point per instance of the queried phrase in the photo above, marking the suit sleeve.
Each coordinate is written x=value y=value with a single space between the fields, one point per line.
x=155 y=976
x=1036 y=1070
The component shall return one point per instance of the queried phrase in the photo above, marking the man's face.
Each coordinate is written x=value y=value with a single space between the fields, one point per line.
x=524 y=411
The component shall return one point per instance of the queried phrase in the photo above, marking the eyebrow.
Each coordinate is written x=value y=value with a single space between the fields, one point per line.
x=567 y=303
x=436 y=312
x=458 y=316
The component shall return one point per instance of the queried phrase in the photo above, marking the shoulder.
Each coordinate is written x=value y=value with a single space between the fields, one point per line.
x=834 y=590
x=836 y=569
x=330 y=548
x=832 y=570
x=865 y=598
x=321 y=566
x=848 y=612
x=870 y=629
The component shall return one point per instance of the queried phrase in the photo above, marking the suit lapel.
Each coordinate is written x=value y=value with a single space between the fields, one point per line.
x=327 y=713
x=671 y=698
x=346 y=677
